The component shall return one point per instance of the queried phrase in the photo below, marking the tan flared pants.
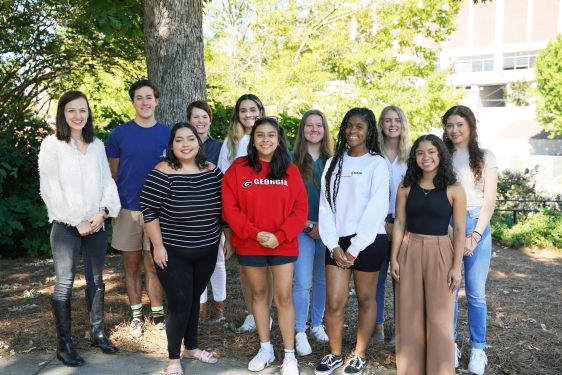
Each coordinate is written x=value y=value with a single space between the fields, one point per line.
x=425 y=307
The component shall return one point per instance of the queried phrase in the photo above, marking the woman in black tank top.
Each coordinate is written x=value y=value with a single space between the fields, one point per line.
x=424 y=263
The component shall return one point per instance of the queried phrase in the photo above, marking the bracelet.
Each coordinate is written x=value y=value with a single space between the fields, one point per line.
x=103 y=217
x=478 y=233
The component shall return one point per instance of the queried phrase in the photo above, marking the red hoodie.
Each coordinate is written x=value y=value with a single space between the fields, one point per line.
x=251 y=204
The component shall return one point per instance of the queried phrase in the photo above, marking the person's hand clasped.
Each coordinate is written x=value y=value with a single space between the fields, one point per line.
x=96 y=222
x=470 y=244
x=85 y=228
x=341 y=258
x=314 y=233
x=268 y=240
x=160 y=257
x=454 y=279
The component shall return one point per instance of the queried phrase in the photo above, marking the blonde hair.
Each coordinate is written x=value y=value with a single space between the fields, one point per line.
x=236 y=129
x=404 y=144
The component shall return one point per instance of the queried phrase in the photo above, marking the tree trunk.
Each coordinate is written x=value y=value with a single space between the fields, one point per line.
x=173 y=38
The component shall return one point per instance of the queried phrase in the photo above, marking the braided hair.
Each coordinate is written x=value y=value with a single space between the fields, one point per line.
x=342 y=147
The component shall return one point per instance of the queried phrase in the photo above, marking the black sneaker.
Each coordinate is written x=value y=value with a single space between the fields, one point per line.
x=328 y=364
x=159 y=322
x=355 y=366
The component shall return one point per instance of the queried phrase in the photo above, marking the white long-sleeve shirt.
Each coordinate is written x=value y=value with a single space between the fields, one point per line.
x=223 y=162
x=361 y=203
x=75 y=186
x=397 y=172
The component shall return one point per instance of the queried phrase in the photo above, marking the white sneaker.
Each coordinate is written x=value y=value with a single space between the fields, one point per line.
x=457 y=356
x=290 y=366
x=478 y=361
x=301 y=344
x=262 y=359
x=136 y=328
x=319 y=334
x=248 y=326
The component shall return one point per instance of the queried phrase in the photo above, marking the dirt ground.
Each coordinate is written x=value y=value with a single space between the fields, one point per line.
x=524 y=315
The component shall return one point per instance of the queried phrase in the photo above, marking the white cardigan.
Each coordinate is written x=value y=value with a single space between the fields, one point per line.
x=75 y=186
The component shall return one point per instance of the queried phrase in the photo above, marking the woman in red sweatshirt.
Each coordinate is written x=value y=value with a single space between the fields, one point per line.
x=265 y=203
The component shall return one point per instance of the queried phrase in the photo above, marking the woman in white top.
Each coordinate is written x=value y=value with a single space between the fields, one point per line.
x=248 y=107
x=478 y=173
x=353 y=205
x=80 y=194
x=394 y=141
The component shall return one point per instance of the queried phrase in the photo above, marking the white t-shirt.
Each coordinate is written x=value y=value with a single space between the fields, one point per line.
x=474 y=193
x=223 y=162
x=361 y=204
x=397 y=172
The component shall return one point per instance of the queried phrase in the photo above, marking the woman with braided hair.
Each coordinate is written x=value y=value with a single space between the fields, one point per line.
x=353 y=205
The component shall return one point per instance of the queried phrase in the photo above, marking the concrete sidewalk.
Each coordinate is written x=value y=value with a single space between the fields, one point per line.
x=128 y=364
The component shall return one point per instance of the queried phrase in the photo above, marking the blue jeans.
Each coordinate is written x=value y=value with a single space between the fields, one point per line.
x=66 y=243
x=475 y=274
x=310 y=272
x=381 y=288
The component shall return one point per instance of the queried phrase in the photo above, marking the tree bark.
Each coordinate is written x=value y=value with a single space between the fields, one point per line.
x=173 y=38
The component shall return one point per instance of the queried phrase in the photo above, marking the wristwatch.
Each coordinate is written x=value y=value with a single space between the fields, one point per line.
x=309 y=228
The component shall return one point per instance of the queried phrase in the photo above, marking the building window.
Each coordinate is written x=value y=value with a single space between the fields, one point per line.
x=474 y=64
x=519 y=60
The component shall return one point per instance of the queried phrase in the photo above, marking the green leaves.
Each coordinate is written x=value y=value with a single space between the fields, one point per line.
x=548 y=71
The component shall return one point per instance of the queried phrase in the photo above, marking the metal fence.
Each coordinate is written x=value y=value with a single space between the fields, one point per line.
x=541 y=203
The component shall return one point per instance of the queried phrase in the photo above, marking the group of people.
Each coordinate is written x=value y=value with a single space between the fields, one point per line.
x=300 y=222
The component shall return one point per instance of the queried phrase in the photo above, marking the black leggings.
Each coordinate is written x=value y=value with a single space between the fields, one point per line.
x=183 y=280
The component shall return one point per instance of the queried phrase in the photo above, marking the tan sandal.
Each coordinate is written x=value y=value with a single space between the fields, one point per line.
x=204 y=357
x=174 y=369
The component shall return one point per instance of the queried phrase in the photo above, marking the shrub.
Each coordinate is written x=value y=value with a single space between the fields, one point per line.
x=24 y=227
x=542 y=229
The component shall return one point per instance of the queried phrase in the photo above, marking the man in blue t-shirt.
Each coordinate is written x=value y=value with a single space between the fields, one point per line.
x=133 y=149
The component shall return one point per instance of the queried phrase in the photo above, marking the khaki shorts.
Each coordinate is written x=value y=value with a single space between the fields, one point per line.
x=129 y=233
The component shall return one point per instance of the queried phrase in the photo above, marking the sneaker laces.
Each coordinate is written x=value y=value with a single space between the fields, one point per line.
x=263 y=354
x=478 y=357
x=356 y=362
x=288 y=361
x=328 y=360
x=136 y=323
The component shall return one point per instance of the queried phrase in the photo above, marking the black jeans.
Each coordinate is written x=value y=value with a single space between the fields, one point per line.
x=66 y=243
x=183 y=280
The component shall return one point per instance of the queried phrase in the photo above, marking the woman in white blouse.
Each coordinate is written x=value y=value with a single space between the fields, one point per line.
x=80 y=194
x=394 y=143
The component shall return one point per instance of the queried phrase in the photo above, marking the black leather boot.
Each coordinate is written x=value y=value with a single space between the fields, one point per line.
x=65 y=351
x=94 y=298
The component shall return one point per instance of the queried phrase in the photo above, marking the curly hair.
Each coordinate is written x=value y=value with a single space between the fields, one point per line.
x=302 y=159
x=475 y=153
x=280 y=160
x=445 y=173
x=342 y=147
x=173 y=161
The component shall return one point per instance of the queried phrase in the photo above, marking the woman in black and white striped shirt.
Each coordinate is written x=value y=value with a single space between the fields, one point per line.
x=181 y=205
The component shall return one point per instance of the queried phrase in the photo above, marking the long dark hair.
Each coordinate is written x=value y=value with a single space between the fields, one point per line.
x=200 y=158
x=236 y=129
x=302 y=159
x=372 y=144
x=63 y=129
x=475 y=153
x=445 y=172
x=280 y=160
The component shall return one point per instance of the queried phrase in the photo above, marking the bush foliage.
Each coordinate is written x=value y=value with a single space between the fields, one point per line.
x=24 y=229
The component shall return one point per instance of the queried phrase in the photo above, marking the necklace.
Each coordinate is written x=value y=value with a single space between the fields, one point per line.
x=426 y=191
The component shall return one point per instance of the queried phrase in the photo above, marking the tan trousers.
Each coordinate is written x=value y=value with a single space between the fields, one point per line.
x=425 y=307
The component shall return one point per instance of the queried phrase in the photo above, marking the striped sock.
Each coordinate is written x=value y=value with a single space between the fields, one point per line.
x=137 y=311
x=158 y=314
